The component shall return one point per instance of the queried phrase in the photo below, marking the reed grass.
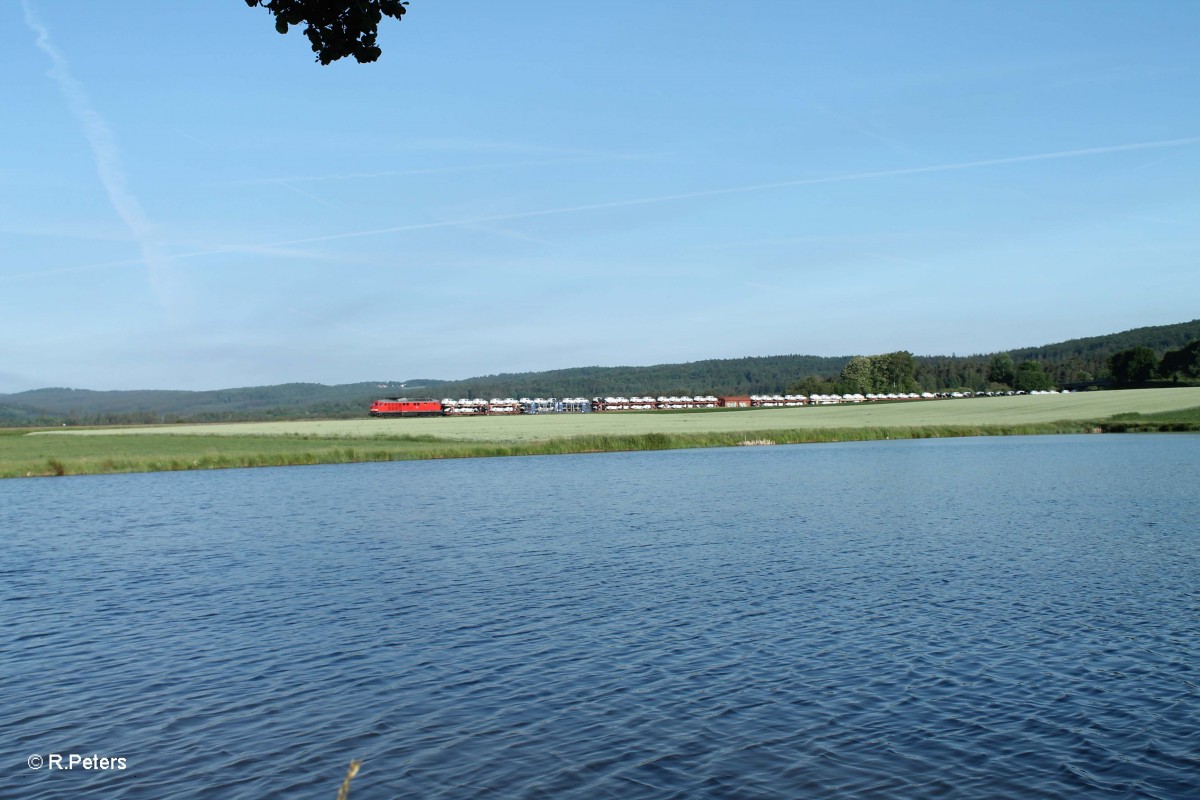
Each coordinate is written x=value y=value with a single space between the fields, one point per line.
x=1187 y=419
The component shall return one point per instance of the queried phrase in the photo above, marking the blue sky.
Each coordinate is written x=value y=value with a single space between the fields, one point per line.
x=191 y=201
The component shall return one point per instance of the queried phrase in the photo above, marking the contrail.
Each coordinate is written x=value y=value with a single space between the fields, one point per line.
x=105 y=151
x=755 y=187
x=665 y=198
x=314 y=197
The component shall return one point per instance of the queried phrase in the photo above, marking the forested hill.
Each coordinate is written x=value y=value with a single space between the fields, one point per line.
x=284 y=401
x=1095 y=350
x=1078 y=361
x=1075 y=362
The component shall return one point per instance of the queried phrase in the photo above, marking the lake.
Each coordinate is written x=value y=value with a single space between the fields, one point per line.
x=966 y=618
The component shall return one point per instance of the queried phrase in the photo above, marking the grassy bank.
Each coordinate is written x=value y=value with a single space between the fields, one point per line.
x=32 y=455
x=1187 y=419
x=29 y=456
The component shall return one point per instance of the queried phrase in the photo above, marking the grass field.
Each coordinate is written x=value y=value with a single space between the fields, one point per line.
x=154 y=448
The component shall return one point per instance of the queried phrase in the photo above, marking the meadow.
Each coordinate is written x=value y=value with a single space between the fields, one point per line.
x=25 y=453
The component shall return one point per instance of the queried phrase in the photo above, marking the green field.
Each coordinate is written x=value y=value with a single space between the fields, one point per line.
x=153 y=448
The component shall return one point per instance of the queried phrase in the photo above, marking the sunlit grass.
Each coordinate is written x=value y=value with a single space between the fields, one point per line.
x=33 y=455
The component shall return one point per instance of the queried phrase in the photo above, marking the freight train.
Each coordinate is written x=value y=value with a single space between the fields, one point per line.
x=404 y=407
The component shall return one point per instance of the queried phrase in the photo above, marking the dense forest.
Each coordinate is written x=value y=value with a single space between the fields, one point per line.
x=1078 y=363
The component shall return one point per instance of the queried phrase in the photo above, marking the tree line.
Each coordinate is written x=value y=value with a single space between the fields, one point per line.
x=1139 y=365
x=901 y=371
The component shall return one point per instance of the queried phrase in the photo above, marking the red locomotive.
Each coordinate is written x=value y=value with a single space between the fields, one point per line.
x=403 y=407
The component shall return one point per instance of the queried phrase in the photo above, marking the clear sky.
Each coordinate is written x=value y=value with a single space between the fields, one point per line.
x=191 y=201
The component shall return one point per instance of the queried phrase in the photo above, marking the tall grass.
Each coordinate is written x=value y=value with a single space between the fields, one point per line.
x=1187 y=419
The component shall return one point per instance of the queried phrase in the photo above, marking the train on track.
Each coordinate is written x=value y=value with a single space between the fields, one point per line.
x=405 y=407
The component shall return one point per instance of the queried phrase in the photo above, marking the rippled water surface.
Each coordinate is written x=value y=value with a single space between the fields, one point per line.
x=972 y=618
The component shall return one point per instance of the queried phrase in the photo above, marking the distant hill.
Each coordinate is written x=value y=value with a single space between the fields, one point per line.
x=285 y=401
x=1077 y=361
x=1092 y=353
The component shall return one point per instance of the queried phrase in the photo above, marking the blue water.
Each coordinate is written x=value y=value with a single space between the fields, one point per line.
x=972 y=618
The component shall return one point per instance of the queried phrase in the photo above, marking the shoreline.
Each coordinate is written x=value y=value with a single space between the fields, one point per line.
x=114 y=453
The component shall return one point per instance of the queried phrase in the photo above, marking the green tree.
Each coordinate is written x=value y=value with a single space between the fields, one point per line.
x=1030 y=377
x=809 y=385
x=895 y=372
x=1133 y=366
x=1001 y=369
x=858 y=376
x=1184 y=362
x=335 y=28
